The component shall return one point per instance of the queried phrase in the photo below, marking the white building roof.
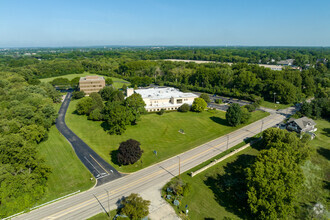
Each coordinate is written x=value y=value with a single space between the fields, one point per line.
x=163 y=93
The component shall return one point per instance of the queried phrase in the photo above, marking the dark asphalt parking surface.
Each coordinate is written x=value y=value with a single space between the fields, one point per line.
x=101 y=170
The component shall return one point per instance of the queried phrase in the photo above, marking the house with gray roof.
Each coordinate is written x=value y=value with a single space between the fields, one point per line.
x=300 y=125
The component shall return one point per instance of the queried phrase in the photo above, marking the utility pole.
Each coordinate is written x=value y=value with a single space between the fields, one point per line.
x=227 y=141
x=274 y=97
x=262 y=124
x=108 y=203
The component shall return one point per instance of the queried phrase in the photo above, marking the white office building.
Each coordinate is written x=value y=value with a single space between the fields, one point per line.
x=167 y=98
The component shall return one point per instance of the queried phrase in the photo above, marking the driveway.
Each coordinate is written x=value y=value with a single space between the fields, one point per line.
x=101 y=170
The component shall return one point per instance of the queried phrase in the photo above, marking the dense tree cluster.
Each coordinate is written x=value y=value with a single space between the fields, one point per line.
x=26 y=114
x=276 y=176
x=117 y=112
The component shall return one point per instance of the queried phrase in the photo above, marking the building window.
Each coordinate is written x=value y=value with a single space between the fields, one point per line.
x=179 y=101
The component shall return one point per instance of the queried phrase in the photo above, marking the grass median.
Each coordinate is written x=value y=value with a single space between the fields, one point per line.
x=155 y=133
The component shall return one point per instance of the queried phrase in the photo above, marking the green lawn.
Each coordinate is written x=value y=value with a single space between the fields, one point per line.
x=317 y=170
x=154 y=132
x=103 y=216
x=68 y=173
x=117 y=83
x=205 y=201
x=272 y=105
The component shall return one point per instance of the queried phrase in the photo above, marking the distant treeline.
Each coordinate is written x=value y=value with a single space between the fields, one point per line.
x=141 y=67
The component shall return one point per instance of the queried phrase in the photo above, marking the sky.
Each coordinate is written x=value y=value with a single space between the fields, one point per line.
x=63 y=23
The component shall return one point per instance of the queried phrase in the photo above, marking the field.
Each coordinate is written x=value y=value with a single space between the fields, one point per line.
x=155 y=133
x=68 y=173
x=207 y=201
x=117 y=83
x=272 y=105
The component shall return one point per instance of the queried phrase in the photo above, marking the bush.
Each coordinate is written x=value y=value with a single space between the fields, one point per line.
x=250 y=107
x=78 y=94
x=161 y=112
x=129 y=152
x=198 y=105
x=95 y=115
x=246 y=115
x=184 y=108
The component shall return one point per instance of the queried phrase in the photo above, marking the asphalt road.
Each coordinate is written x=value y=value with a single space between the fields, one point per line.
x=101 y=170
x=91 y=202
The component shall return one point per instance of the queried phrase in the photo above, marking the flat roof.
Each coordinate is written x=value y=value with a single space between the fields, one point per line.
x=91 y=78
x=163 y=93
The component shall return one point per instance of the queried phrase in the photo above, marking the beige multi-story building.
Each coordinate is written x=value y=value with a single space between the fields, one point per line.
x=91 y=84
x=167 y=98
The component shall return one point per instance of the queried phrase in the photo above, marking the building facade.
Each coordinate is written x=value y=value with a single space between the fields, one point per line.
x=91 y=84
x=167 y=98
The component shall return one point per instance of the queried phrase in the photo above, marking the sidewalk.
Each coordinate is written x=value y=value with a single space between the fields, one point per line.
x=159 y=208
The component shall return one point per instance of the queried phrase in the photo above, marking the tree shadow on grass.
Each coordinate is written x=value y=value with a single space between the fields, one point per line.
x=113 y=155
x=230 y=188
x=324 y=152
x=219 y=120
x=326 y=132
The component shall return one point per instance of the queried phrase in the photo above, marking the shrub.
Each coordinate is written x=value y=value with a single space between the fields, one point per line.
x=78 y=94
x=250 y=107
x=129 y=152
x=161 y=112
x=184 y=108
x=234 y=114
x=198 y=105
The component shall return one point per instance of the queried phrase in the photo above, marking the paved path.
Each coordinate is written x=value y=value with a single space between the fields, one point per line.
x=91 y=202
x=100 y=169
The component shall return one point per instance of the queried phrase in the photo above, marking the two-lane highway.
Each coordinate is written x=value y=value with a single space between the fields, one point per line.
x=91 y=202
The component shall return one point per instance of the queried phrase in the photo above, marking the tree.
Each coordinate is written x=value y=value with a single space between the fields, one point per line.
x=78 y=94
x=198 y=105
x=84 y=105
x=206 y=97
x=108 y=81
x=136 y=105
x=129 y=152
x=135 y=207
x=184 y=108
x=246 y=115
x=106 y=93
x=95 y=115
x=234 y=114
x=117 y=117
x=97 y=102
x=273 y=181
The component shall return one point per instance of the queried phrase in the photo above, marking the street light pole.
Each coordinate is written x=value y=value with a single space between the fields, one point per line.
x=108 y=203
x=262 y=124
x=274 y=97
x=227 y=141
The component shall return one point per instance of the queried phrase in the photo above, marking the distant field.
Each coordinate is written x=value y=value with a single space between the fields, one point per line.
x=68 y=173
x=154 y=132
x=117 y=83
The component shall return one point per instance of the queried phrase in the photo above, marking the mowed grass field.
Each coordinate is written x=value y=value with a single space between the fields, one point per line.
x=117 y=83
x=68 y=172
x=155 y=133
